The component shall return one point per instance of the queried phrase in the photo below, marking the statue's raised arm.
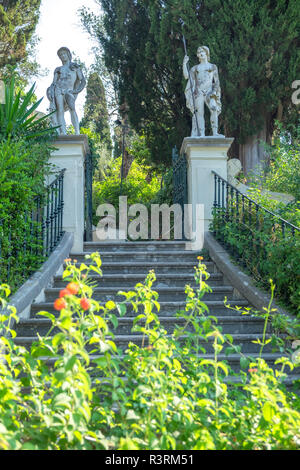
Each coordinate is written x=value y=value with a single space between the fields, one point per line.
x=203 y=87
x=68 y=82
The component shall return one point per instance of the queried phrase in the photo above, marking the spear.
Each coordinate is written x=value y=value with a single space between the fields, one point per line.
x=189 y=73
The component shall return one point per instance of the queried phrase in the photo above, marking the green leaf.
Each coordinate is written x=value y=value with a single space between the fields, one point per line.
x=268 y=411
x=244 y=362
x=122 y=309
x=29 y=446
x=176 y=364
x=223 y=366
x=110 y=305
x=70 y=363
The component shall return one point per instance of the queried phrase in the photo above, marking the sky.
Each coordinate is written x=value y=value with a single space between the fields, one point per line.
x=59 y=25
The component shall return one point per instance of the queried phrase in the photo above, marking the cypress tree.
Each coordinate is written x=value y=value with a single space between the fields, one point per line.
x=18 y=19
x=95 y=110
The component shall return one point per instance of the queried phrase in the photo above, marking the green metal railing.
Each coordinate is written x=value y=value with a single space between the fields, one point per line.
x=88 y=173
x=246 y=228
x=28 y=238
x=180 y=194
x=179 y=178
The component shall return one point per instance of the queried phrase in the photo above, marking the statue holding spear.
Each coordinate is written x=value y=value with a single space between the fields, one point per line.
x=203 y=88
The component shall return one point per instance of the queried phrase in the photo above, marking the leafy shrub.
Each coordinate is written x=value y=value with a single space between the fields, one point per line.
x=268 y=249
x=135 y=187
x=289 y=212
x=258 y=242
x=162 y=395
x=282 y=173
x=18 y=115
x=102 y=159
x=24 y=153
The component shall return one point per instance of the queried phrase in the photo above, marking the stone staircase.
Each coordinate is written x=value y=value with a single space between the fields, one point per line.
x=126 y=263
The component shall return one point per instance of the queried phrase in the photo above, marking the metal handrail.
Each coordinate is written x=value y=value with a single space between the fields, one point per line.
x=257 y=238
x=244 y=196
x=28 y=245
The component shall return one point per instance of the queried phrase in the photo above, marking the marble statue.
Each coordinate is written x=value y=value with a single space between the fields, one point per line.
x=68 y=82
x=203 y=88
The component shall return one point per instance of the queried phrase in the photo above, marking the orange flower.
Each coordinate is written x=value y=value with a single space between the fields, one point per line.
x=85 y=303
x=59 y=304
x=68 y=260
x=64 y=292
x=200 y=257
x=73 y=288
x=252 y=370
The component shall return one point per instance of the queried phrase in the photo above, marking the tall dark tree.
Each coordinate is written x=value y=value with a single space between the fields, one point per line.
x=255 y=44
x=18 y=20
x=95 y=109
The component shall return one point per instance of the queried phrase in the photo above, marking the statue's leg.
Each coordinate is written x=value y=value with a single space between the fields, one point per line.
x=74 y=118
x=60 y=112
x=75 y=121
x=200 y=114
x=53 y=118
x=214 y=122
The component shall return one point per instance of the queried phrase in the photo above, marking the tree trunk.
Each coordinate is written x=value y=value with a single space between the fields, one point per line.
x=252 y=153
x=128 y=159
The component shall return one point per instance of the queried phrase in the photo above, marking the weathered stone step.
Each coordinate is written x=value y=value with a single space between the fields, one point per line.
x=216 y=308
x=166 y=256
x=143 y=267
x=228 y=324
x=245 y=341
x=165 y=293
x=233 y=360
x=129 y=280
x=117 y=246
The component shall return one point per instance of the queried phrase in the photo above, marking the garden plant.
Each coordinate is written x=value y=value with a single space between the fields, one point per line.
x=75 y=390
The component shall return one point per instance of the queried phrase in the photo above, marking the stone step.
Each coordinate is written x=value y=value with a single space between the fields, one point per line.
x=245 y=341
x=143 y=267
x=233 y=360
x=129 y=280
x=133 y=256
x=117 y=246
x=228 y=325
x=165 y=293
x=216 y=308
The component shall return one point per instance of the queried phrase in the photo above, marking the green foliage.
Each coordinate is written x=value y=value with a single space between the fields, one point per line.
x=24 y=154
x=136 y=186
x=140 y=151
x=255 y=45
x=23 y=167
x=282 y=174
x=257 y=238
x=101 y=155
x=18 y=115
x=268 y=250
x=95 y=110
x=18 y=19
x=74 y=390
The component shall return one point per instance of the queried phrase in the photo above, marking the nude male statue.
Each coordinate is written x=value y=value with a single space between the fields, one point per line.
x=204 y=84
x=68 y=82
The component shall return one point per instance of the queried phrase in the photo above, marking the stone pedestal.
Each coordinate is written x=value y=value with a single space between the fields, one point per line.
x=204 y=155
x=70 y=154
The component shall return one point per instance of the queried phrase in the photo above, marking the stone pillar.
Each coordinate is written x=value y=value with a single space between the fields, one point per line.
x=204 y=155
x=70 y=154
